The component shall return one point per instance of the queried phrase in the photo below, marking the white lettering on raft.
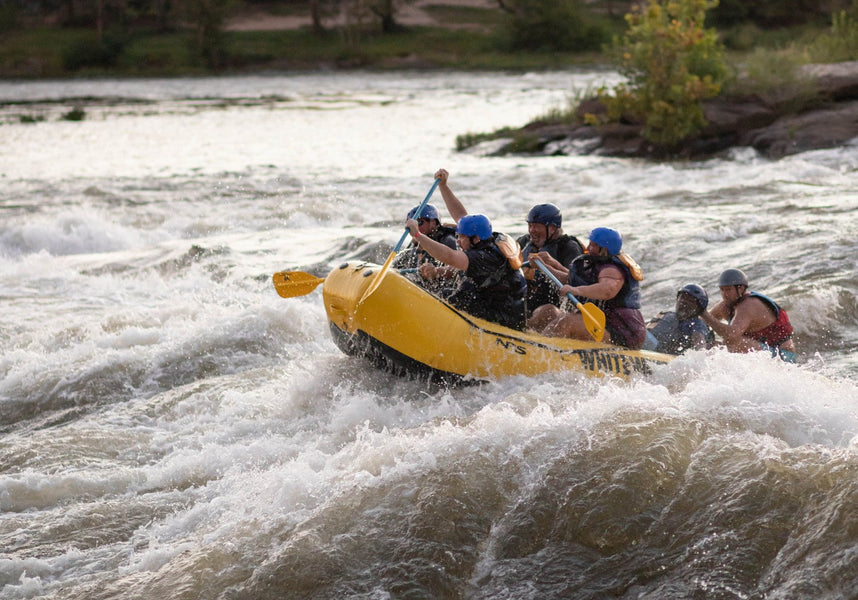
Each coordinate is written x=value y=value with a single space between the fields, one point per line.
x=594 y=359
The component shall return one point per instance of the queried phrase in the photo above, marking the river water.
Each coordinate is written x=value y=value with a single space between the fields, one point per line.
x=171 y=428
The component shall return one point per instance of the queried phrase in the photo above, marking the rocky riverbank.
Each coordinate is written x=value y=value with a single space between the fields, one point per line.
x=775 y=125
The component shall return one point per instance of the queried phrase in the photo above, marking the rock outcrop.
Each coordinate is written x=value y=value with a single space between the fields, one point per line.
x=826 y=116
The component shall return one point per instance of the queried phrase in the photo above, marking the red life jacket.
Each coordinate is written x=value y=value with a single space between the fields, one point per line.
x=778 y=332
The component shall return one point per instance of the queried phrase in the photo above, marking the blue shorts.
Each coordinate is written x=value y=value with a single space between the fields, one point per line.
x=778 y=352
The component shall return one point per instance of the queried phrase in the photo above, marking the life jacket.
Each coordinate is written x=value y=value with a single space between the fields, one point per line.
x=443 y=234
x=553 y=247
x=508 y=279
x=540 y=289
x=585 y=271
x=634 y=267
x=501 y=295
x=509 y=248
x=775 y=334
x=674 y=335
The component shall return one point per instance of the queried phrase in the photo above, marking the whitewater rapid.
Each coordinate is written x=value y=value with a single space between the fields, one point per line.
x=170 y=427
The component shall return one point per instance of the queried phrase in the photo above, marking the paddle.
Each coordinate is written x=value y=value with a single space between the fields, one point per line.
x=594 y=318
x=290 y=284
x=377 y=280
x=295 y=283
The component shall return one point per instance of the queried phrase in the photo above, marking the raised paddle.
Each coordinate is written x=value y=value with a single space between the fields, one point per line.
x=377 y=280
x=594 y=318
x=290 y=284
x=295 y=283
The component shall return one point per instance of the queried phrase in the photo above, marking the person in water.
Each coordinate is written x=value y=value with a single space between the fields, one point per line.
x=545 y=236
x=492 y=286
x=428 y=224
x=674 y=332
x=609 y=278
x=749 y=321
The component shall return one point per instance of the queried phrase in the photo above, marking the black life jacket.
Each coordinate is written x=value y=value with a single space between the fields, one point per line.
x=500 y=295
x=564 y=244
x=585 y=271
x=540 y=289
x=508 y=278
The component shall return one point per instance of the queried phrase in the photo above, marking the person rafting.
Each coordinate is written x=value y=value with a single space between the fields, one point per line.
x=674 y=332
x=610 y=278
x=749 y=321
x=545 y=235
x=429 y=224
x=493 y=286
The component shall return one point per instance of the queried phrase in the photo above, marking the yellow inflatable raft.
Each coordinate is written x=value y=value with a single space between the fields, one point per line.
x=402 y=328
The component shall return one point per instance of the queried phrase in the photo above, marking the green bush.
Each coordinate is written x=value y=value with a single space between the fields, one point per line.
x=672 y=64
x=75 y=114
x=768 y=13
x=89 y=51
x=742 y=38
x=840 y=43
x=553 y=25
x=764 y=72
x=730 y=12
x=8 y=16
x=208 y=18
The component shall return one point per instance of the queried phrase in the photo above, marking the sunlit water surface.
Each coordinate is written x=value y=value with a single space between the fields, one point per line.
x=172 y=428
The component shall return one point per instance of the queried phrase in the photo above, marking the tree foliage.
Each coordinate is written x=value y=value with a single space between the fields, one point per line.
x=771 y=13
x=552 y=25
x=840 y=42
x=208 y=18
x=671 y=64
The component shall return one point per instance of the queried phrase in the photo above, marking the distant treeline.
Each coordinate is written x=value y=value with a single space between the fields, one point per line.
x=105 y=31
x=101 y=14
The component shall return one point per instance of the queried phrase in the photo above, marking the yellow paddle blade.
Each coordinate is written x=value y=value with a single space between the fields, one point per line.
x=594 y=320
x=295 y=283
x=377 y=279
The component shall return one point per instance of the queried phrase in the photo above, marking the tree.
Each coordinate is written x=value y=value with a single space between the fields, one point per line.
x=671 y=64
x=385 y=10
x=773 y=13
x=551 y=25
x=208 y=18
x=321 y=10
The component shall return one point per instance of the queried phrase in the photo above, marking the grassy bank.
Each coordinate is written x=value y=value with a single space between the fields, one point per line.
x=41 y=53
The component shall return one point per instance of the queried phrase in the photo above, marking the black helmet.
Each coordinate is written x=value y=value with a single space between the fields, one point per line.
x=428 y=212
x=697 y=292
x=547 y=214
x=732 y=277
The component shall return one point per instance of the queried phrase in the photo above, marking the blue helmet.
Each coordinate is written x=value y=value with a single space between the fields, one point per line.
x=547 y=214
x=428 y=212
x=607 y=238
x=475 y=225
x=697 y=292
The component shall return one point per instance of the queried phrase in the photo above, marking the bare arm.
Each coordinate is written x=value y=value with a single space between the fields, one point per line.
x=732 y=332
x=717 y=325
x=720 y=311
x=609 y=285
x=454 y=206
x=437 y=250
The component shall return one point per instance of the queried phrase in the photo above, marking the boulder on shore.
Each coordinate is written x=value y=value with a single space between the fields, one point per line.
x=768 y=124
